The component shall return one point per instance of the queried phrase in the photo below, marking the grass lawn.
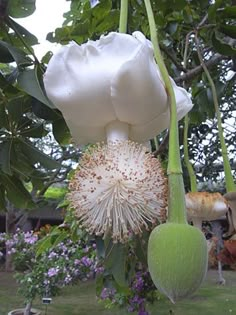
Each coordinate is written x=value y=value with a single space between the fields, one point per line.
x=80 y=300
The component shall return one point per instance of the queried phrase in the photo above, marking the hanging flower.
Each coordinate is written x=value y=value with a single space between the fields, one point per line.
x=205 y=206
x=118 y=188
x=112 y=79
x=111 y=89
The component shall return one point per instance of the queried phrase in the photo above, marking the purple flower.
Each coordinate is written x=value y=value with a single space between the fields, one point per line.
x=68 y=279
x=142 y=310
x=10 y=243
x=52 y=255
x=11 y=251
x=138 y=284
x=30 y=238
x=86 y=249
x=86 y=261
x=107 y=293
x=2 y=237
x=136 y=300
x=53 y=272
x=99 y=270
x=130 y=309
x=77 y=262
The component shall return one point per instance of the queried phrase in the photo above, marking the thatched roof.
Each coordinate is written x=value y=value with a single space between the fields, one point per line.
x=48 y=211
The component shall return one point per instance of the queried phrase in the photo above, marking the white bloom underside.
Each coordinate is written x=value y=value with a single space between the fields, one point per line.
x=112 y=79
x=118 y=189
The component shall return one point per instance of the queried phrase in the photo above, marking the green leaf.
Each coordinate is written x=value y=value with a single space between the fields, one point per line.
x=3 y=117
x=100 y=247
x=61 y=35
x=35 y=131
x=51 y=240
x=29 y=38
x=5 y=55
x=36 y=156
x=17 y=193
x=44 y=112
x=110 y=22
x=30 y=80
x=43 y=245
x=16 y=107
x=116 y=262
x=102 y=9
x=223 y=44
x=59 y=237
x=18 y=55
x=5 y=157
x=141 y=248
x=22 y=167
x=81 y=28
x=173 y=5
x=229 y=30
x=6 y=86
x=228 y=12
x=212 y=11
x=2 y=199
x=61 y=132
x=45 y=59
x=20 y=8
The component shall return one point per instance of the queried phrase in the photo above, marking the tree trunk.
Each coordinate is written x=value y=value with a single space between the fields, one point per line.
x=10 y=229
x=28 y=308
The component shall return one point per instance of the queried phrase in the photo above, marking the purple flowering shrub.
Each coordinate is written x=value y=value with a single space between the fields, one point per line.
x=140 y=291
x=21 y=246
x=44 y=274
x=48 y=261
x=125 y=280
x=2 y=246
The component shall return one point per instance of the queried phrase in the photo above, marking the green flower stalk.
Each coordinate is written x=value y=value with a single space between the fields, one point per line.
x=230 y=195
x=177 y=252
x=192 y=176
x=229 y=181
x=123 y=16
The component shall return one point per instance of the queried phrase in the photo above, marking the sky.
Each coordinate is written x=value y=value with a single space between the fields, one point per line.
x=46 y=18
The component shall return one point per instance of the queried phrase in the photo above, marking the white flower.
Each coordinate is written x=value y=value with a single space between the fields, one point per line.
x=113 y=79
x=118 y=189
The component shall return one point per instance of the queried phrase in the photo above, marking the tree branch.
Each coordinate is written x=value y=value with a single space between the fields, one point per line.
x=191 y=74
x=173 y=58
x=162 y=146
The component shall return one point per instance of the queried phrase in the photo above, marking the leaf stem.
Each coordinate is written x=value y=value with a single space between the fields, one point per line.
x=123 y=16
x=29 y=48
x=176 y=200
x=229 y=180
x=192 y=176
x=191 y=173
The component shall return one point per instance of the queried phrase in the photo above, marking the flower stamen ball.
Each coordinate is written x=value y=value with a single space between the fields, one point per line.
x=118 y=188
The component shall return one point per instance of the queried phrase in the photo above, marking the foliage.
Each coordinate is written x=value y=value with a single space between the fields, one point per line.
x=56 y=193
x=64 y=263
x=26 y=115
x=22 y=89
x=29 y=122
x=211 y=299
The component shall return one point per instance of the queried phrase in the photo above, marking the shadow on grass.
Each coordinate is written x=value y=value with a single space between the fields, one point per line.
x=80 y=300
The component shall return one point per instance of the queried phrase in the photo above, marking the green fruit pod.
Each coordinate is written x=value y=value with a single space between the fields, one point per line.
x=177 y=259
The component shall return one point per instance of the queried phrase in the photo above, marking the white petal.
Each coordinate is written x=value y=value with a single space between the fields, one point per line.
x=183 y=100
x=138 y=94
x=84 y=134
x=114 y=78
x=73 y=82
x=78 y=78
